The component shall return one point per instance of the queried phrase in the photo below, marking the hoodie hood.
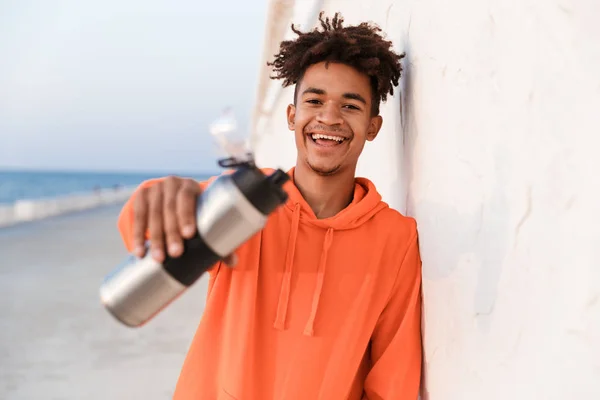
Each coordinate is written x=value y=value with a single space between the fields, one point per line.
x=365 y=204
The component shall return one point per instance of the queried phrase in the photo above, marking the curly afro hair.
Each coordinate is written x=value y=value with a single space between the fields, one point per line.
x=361 y=47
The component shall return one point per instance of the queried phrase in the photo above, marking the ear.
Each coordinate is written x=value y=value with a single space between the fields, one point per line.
x=291 y=117
x=374 y=127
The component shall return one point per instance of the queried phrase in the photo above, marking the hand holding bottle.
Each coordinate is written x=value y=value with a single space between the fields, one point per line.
x=167 y=211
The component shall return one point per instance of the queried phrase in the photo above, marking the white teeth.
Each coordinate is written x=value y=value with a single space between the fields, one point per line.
x=319 y=136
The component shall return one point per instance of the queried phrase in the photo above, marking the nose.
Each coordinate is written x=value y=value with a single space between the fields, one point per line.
x=330 y=115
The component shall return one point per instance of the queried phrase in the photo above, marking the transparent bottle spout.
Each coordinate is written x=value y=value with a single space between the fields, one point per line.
x=224 y=131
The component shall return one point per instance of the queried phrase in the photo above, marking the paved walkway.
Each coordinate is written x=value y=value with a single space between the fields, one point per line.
x=56 y=340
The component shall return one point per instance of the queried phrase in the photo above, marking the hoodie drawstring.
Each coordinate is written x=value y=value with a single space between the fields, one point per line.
x=284 y=294
x=309 y=329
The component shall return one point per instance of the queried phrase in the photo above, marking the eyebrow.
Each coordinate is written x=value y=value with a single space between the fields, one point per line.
x=350 y=96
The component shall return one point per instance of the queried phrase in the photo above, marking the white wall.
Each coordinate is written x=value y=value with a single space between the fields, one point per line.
x=494 y=153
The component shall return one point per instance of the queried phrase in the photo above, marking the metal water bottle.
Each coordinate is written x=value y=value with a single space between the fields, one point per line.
x=229 y=212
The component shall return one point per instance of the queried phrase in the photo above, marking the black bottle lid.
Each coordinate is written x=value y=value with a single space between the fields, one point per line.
x=264 y=192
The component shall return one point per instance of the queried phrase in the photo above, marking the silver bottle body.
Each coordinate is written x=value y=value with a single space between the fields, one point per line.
x=140 y=288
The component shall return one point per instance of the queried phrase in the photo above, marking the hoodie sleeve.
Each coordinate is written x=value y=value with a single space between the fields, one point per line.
x=396 y=343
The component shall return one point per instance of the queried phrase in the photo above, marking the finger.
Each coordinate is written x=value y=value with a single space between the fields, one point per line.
x=140 y=219
x=171 y=226
x=186 y=208
x=155 y=222
x=231 y=260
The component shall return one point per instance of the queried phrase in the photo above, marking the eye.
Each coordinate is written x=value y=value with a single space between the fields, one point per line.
x=351 y=107
x=313 y=101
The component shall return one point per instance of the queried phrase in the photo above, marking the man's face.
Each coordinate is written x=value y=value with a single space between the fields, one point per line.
x=332 y=117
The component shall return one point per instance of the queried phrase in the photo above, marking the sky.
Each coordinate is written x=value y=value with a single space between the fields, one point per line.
x=127 y=85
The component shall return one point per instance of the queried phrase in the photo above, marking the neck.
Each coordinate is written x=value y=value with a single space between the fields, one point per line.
x=326 y=195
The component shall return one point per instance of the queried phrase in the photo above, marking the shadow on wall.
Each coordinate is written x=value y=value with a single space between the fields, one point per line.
x=449 y=237
x=476 y=240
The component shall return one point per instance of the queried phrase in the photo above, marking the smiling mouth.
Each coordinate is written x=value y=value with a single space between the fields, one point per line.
x=327 y=140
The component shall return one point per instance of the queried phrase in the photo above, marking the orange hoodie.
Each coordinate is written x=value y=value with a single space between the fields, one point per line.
x=315 y=308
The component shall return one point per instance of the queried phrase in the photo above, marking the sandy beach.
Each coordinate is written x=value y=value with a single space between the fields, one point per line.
x=56 y=340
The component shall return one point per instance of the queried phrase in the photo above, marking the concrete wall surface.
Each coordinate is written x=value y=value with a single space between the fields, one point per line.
x=492 y=144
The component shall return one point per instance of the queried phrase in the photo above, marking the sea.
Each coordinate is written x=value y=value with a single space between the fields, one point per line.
x=27 y=195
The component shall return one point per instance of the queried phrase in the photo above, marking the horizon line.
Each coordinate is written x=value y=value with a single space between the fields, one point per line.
x=9 y=168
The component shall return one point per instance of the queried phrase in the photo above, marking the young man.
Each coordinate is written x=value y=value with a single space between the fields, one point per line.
x=324 y=302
